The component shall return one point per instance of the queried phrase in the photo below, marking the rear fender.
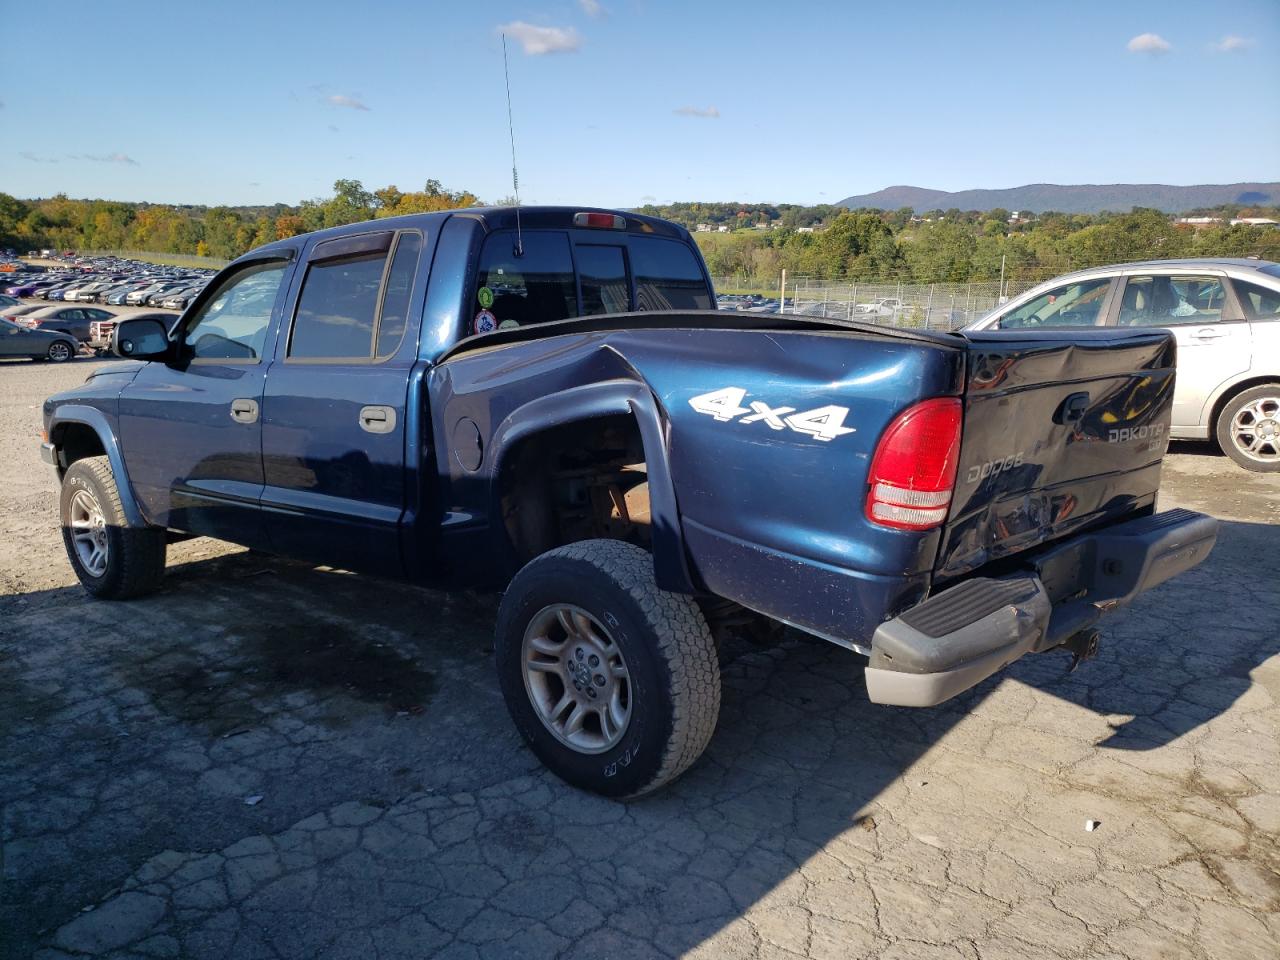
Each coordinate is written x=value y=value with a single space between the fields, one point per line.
x=607 y=398
x=96 y=420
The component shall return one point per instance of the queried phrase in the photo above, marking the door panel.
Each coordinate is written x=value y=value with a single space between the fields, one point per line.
x=334 y=406
x=191 y=445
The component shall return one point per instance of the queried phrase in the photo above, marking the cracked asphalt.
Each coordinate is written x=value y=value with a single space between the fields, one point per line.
x=273 y=760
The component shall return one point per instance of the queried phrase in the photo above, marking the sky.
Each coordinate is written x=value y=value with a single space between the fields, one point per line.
x=624 y=102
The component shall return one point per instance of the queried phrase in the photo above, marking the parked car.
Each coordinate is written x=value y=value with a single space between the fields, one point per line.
x=20 y=341
x=881 y=307
x=1225 y=315
x=8 y=301
x=639 y=482
x=70 y=320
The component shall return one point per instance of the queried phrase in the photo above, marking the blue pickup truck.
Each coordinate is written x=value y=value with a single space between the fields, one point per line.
x=544 y=400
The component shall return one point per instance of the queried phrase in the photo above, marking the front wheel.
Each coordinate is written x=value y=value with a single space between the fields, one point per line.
x=612 y=682
x=59 y=352
x=112 y=560
x=1249 y=428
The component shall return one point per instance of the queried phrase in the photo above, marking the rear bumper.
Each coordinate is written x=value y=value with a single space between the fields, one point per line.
x=966 y=633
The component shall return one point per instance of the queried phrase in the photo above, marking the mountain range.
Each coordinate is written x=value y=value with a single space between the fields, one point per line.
x=1072 y=198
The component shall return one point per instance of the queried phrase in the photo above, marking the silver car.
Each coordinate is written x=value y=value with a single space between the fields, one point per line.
x=1225 y=315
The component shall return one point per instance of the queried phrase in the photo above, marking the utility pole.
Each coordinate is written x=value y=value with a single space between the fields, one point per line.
x=782 y=297
x=1000 y=295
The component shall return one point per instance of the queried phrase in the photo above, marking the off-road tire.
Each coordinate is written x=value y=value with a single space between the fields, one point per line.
x=669 y=654
x=135 y=555
x=1223 y=428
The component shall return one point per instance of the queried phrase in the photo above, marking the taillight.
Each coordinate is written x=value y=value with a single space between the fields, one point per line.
x=606 y=221
x=914 y=469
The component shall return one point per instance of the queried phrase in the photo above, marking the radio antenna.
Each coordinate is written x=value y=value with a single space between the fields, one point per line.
x=511 y=129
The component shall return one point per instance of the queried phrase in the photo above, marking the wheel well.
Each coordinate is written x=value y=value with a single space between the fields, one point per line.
x=76 y=441
x=580 y=481
x=1230 y=395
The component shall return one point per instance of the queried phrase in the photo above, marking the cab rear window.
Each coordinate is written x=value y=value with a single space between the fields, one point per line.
x=668 y=276
x=558 y=275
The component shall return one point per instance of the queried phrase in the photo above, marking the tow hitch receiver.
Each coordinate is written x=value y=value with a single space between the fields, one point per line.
x=1082 y=646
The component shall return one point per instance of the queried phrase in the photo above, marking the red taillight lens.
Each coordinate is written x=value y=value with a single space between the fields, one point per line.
x=914 y=469
x=606 y=221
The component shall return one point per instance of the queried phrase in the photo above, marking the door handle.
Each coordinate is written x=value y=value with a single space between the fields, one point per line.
x=244 y=410
x=377 y=419
x=1208 y=333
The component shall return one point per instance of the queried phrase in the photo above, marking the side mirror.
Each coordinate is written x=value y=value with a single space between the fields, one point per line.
x=140 y=340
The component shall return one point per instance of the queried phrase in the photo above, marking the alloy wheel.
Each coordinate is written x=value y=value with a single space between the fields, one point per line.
x=576 y=678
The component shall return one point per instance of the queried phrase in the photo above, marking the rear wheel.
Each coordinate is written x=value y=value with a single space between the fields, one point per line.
x=612 y=682
x=1249 y=428
x=112 y=560
x=59 y=352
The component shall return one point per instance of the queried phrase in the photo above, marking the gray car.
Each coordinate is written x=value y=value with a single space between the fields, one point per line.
x=71 y=320
x=1225 y=315
x=19 y=341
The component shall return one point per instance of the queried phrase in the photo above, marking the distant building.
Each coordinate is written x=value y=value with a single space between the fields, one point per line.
x=1255 y=222
x=1198 y=221
x=804 y=229
x=704 y=228
x=722 y=229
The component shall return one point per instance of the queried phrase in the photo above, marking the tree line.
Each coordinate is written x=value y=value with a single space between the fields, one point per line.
x=220 y=232
x=821 y=241
x=956 y=247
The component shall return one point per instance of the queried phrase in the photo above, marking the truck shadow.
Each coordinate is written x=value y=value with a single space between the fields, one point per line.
x=249 y=675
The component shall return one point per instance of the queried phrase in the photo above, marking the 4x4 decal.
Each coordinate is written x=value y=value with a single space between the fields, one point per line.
x=725 y=404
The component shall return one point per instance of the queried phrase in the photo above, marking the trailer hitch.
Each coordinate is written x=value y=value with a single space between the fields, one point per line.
x=1082 y=646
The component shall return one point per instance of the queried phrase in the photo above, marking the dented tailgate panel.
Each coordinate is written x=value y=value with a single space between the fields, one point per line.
x=1060 y=433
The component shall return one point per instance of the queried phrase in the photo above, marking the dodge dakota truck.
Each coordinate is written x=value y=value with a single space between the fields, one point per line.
x=543 y=400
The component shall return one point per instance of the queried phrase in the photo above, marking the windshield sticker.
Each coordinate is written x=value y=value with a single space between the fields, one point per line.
x=508 y=324
x=485 y=322
x=485 y=297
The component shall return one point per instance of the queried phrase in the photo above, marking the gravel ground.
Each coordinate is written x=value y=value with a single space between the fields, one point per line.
x=273 y=760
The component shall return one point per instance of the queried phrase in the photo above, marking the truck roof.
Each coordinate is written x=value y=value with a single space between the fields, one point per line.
x=493 y=218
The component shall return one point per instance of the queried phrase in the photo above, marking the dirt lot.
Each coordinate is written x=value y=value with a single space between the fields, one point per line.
x=271 y=760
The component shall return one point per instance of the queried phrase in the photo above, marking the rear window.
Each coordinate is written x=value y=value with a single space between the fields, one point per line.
x=668 y=276
x=541 y=286
x=536 y=287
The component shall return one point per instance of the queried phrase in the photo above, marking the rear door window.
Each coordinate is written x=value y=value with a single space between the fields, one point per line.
x=668 y=275
x=1157 y=301
x=1260 y=303
x=536 y=287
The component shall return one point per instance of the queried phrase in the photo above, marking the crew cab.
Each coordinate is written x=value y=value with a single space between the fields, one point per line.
x=542 y=400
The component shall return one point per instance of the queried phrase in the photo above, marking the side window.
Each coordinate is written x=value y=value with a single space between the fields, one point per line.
x=603 y=273
x=536 y=287
x=1076 y=304
x=337 y=309
x=668 y=276
x=1260 y=303
x=232 y=324
x=395 y=301
x=1167 y=301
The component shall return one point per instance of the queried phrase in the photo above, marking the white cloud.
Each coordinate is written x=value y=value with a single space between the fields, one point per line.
x=1232 y=44
x=648 y=198
x=104 y=158
x=537 y=41
x=341 y=100
x=706 y=113
x=36 y=158
x=1149 y=43
x=591 y=8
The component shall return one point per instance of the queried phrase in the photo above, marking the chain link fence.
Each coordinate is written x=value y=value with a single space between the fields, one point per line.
x=924 y=306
